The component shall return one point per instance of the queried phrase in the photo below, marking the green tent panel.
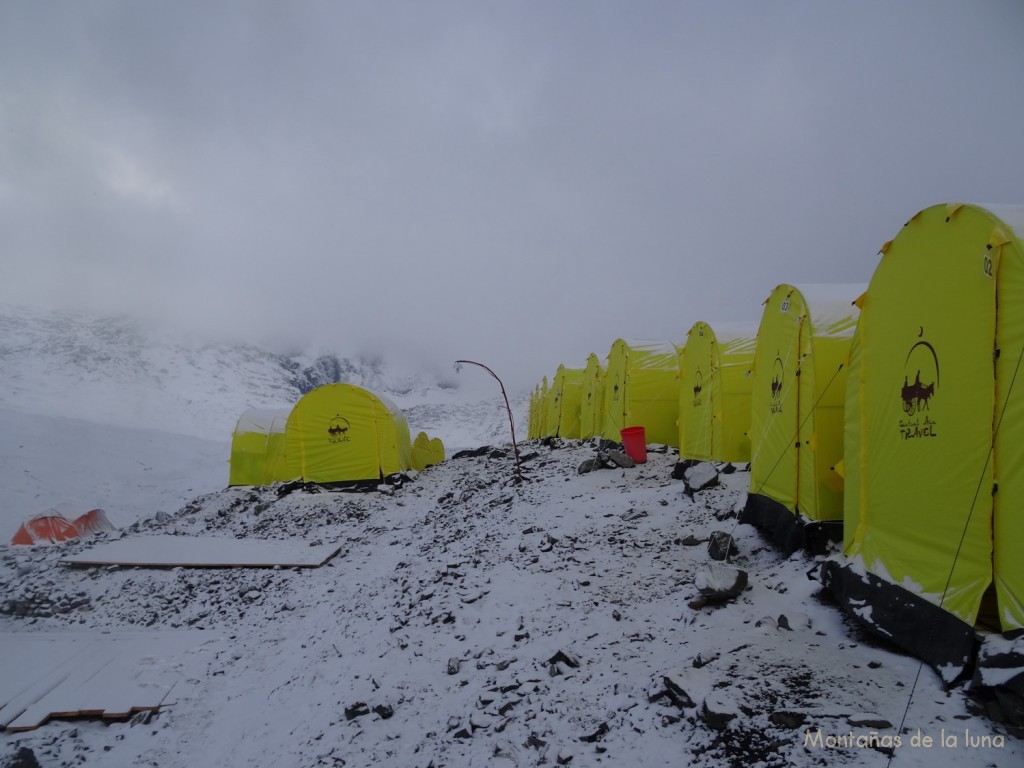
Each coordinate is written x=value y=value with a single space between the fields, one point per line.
x=592 y=399
x=798 y=387
x=563 y=403
x=714 y=400
x=343 y=433
x=641 y=390
x=934 y=438
x=256 y=447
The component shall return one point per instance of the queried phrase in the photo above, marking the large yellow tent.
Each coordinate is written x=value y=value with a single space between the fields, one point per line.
x=798 y=386
x=343 y=433
x=714 y=399
x=935 y=436
x=641 y=388
x=563 y=406
x=257 y=447
x=592 y=399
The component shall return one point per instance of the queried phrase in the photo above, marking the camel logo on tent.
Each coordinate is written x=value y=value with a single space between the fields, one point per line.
x=920 y=380
x=698 y=388
x=337 y=430
x=778 y=372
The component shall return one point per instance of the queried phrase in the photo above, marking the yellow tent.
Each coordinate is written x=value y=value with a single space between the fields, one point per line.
x=564 y=402
x=641 y=390
x=436 y=451
x=531 y=424
x=542 y=407
x=592 y=399
x=257 y=446
x=935 y=436
x=714 y=399
x=342 y=433
x=421 y=452
x=798 y=386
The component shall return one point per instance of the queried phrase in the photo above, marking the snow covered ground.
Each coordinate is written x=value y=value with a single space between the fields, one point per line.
x=468 y=621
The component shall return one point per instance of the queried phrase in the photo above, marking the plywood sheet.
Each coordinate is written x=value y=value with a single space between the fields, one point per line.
x=62 y=674
x=206 y=552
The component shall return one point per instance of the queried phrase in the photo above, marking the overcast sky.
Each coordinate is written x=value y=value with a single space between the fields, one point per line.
x=518 y=182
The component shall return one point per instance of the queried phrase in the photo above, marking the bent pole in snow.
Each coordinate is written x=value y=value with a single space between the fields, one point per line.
x=511 y=420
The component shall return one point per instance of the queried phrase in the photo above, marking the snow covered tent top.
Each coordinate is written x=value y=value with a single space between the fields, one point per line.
x=257 y=447
x=563 y=402
x=641 y=388
x=714 y=396
x=934 y=437
x=798 y=386
x=341 y=433
x=592 y=399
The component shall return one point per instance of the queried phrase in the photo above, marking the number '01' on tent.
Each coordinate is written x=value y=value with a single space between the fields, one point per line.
x=798 y=386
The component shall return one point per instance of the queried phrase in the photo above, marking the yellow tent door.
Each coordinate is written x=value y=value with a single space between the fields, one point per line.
x=342 y=433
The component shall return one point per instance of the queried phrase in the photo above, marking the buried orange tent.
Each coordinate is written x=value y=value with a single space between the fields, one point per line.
x=51 y=526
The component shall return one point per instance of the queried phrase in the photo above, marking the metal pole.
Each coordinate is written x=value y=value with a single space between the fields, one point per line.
x=511 y=419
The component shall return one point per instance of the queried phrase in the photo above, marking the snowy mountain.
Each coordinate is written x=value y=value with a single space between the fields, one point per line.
x=112 y=370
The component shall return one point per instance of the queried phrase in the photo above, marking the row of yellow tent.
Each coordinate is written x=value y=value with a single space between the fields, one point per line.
x=338 y=433
x=895 y=414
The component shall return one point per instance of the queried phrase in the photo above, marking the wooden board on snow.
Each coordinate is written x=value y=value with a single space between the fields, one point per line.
x=206 y=552
x=67 y=674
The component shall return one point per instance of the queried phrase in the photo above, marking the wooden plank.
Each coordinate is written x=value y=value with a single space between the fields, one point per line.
x=77 y=673
x=163 y=551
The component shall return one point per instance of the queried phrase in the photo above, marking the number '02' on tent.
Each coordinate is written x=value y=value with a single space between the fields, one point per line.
x=934 y=438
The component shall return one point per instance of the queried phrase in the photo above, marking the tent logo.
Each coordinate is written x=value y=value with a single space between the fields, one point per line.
x=337 y=430
x=698 y=387
x=778 y=374
x=920 y=380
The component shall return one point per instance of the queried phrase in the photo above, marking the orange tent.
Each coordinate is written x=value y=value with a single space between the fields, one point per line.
x=52 y=526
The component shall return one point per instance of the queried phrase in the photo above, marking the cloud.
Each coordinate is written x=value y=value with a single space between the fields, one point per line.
x=516 y=183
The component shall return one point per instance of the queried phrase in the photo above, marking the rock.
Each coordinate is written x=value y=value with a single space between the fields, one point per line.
x=597 y=735
x=620 y=459
x=697 y=603
x=690 y=540
x=565 y=657
x=700 y=477
x=865 y=720
x=702 y=661
x=23 y=758
x=453 y=666
x=718 y=712
x=387 y=490
x=788 y=719
x=721 y=546
x=633 y=514
x=720 y=583
x=356 y=710
x=473 y=453
x=677 y=695
x=588 y=466
x=384 y=711
x=679 y=470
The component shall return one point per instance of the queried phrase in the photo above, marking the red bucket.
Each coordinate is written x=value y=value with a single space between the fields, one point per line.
x=634 y=442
